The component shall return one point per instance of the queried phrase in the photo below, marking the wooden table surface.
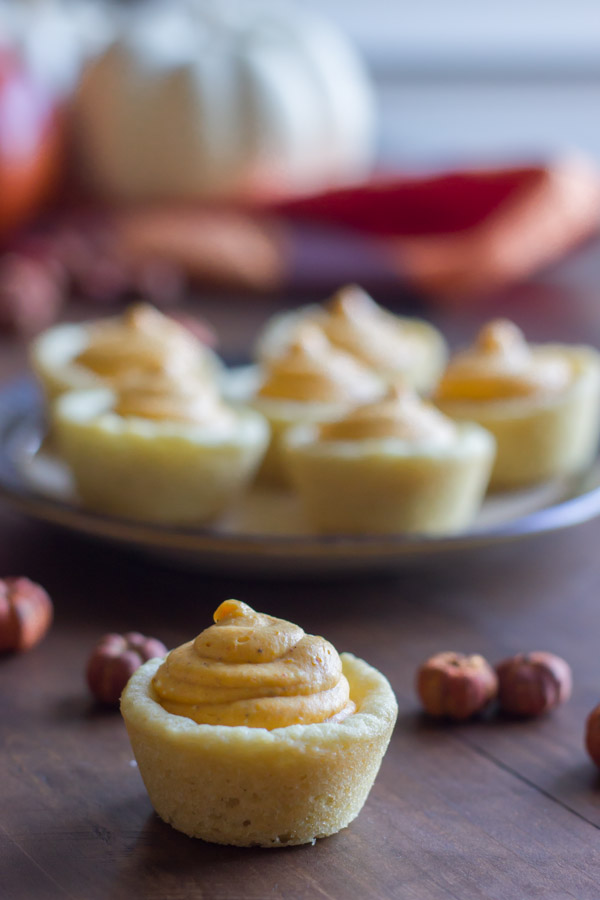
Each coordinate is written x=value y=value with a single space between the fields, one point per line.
x=490 y=809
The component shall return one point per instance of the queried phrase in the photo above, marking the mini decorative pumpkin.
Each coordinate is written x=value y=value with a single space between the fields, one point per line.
x=592 y=735
x=225 y=98
x=456 y=686
x=25 y=613
x=531 y=684
x=113 y=661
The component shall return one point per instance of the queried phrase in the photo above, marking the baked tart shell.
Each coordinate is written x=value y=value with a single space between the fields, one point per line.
x=253 y=787
x=542 y=438
x=388 y=486
x=167 y=472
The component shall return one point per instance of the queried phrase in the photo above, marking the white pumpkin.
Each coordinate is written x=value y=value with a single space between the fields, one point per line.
x=228 y=99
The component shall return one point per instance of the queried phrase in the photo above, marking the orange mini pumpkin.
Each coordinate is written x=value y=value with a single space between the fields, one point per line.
x=25 y=613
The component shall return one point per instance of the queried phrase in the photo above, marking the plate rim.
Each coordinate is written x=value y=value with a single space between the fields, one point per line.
x=22 y=398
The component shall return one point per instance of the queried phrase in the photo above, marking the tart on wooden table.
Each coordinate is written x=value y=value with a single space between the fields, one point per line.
x=392 y=466
x=257 y=734
x=310 y=381
x=140 y=342
x=540 y=401
x=159 y=449
x=394 y=346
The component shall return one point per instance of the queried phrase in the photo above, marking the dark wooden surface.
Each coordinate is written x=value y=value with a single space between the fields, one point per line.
x=492 y=809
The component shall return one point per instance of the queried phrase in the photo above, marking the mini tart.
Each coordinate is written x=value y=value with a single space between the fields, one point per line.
x=155 y=470
x=251 y=786
x=311 y=382
x=393 y=346
x=388 y=479
x=542 y=431
x=58 y=355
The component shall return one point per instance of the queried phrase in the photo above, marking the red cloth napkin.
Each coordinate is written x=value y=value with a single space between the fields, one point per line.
x=467 y=232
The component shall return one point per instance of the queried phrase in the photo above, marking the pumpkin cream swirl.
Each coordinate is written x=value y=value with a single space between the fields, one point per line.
x=401 y=414
x=355 y=323
x=163 y=398
x=256 y=670
x=500 y=366
x=313 y=371
x=142 y=341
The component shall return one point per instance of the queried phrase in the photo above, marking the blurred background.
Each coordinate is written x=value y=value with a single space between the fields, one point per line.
x=436 y=153
x=464 y=79
x=527 y=72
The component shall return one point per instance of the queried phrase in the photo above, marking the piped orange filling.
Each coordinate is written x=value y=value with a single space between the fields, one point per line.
x=256 y=670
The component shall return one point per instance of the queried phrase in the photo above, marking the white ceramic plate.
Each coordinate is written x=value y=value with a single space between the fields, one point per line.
x=265 y=534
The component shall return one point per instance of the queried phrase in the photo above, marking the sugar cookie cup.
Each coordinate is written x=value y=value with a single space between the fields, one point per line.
x=387 y=487
x=253 y=787
x=155 y=470
x=80 y=356
x=391 y=467
x=543 y=410
x=256 y=733
x=393 y=346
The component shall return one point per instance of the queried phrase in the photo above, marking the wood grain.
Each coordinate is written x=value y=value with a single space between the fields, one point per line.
x=494 y=809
